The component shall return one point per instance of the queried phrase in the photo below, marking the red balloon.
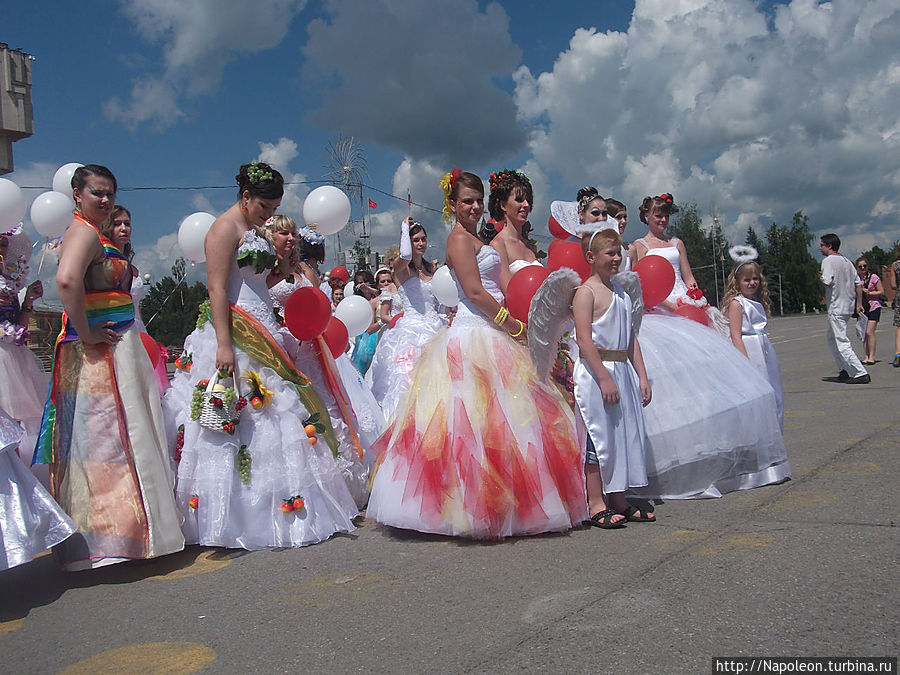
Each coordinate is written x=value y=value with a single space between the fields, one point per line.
x=569 y=254
x=694 y=313
x=557 y=230
x=657 y=279
x=307 y=312
x=152 y=347
x=498 y=224
x=394 y=320
x=336 y=337
x=521 y=290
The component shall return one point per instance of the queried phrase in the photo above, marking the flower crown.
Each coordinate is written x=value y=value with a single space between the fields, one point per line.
x=310 y=236
x=256 y=174
x=447 y=183
x=498 y=176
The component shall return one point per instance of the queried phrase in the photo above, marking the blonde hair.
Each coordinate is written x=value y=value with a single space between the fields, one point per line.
x=592 y=241
x=732 y=287
x=279 y=223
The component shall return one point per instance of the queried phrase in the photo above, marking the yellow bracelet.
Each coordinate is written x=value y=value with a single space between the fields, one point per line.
x=501 y=316
x=519 y=332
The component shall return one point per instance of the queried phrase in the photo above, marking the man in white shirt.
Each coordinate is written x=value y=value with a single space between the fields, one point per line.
x=844 y=297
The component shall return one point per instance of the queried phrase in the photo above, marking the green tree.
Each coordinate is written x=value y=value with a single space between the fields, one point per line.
x=170 y=307
x=792 y=272
x=706 y=250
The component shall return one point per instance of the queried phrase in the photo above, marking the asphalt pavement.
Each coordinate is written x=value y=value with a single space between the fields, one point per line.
x=805 y=568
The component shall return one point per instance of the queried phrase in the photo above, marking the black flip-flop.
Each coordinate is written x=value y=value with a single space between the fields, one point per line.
x=603 y=520
x=632 y=509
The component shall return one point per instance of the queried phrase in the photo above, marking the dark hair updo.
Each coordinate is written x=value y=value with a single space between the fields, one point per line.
x=504 y=184
x=585 y=196
x=664 y=203
x=79 y=178
x=260 y=180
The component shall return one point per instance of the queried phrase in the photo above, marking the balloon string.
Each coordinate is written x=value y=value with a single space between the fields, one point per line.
x=43 y=253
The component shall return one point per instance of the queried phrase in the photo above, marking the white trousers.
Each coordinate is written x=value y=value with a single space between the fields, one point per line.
x=839 y=343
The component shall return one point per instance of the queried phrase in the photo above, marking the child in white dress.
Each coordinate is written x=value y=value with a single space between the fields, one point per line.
x=746 y=304
x=611 y=387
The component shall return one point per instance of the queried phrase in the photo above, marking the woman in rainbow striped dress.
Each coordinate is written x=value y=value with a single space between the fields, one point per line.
x=102 y=431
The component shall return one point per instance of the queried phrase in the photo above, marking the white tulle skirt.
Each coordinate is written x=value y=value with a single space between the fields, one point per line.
x=283 y=464
x=712 y=426
x=30 y=521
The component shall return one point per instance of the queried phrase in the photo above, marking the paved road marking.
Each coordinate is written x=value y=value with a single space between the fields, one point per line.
x=204 y=562
x=851 y=469
x=793 y=500
x=7 y=627
x=742 y=542
x=169 y=658
x=340 y=587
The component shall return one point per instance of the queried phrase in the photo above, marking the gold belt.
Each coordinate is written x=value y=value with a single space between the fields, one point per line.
x=613 y=354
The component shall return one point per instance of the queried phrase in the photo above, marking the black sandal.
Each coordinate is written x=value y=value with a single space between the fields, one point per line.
x=603 y=520
x=642 y=518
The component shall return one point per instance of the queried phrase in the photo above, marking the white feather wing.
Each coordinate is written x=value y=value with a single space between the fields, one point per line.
x=549 y=316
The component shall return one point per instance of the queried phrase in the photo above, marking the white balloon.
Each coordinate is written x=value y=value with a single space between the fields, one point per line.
x=348 y=288
x=62 y=179
x=51 y=214
x=328 y=207
x=12 y=204
x=356 y=313
x=444 y=288
x=192 y=235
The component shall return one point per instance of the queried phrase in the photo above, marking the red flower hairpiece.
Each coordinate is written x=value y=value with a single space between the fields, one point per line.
x=666 y=197
x=454 y=176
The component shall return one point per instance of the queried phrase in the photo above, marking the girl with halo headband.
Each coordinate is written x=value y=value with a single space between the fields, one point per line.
x=314 y=359
x=746 y=304
x=478 y=447
x=389 y=303
x=400 y=347
x=24 y=384
x=713 y=425
x=103 y=432
x=251 y=478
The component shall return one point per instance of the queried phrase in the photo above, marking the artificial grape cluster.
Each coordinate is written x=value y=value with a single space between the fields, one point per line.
x=228 y=395
x=243 y=464
x=240 y=405
x=197 y=402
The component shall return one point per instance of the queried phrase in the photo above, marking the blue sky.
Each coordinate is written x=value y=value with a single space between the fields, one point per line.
x=754 y=109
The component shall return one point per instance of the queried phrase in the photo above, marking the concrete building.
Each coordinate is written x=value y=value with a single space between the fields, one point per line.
x=16 y=113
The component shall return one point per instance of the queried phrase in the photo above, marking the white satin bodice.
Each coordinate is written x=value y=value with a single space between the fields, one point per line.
x=517 y=265
x=247 y=288
x=612 y=330
x=753 y=319
x=417 y=300
x=281 y=291
x=489 y=269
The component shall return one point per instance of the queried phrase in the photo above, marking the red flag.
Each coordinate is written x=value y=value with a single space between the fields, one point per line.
x=372 y=205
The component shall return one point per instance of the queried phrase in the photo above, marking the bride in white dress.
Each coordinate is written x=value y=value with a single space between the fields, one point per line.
x=713 y=424
x=346 y=404
x=400 y=347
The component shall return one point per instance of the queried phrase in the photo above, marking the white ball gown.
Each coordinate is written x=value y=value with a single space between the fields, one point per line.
x=240 y=506
x=712 y=426
x=479 y=447
x=616 y=430
x=400 y=347
x=355 y=432
x=30 y=521
x=138 y=291
x=759 y=348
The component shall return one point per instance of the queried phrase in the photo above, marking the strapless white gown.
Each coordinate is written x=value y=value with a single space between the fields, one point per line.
x=400 y=347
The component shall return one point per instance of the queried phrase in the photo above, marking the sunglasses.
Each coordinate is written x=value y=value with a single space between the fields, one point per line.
x=597 y=213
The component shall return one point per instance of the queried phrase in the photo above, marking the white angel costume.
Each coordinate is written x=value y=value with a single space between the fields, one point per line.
x=712 y=426
x=759 y=348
